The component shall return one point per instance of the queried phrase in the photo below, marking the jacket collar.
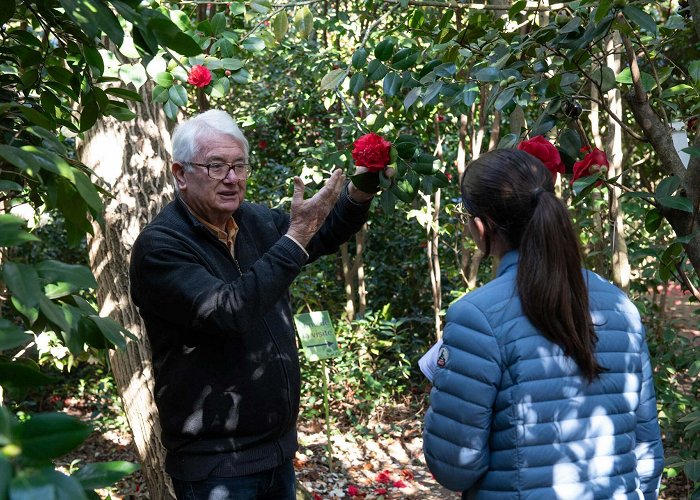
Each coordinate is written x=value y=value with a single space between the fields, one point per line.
x=508 y=262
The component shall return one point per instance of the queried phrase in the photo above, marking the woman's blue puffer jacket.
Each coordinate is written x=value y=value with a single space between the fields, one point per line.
x=511 y=417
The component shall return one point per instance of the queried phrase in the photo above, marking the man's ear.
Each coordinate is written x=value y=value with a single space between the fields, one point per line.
x=179 y=173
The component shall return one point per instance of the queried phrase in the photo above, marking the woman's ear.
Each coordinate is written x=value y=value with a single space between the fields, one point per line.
x=479 y=233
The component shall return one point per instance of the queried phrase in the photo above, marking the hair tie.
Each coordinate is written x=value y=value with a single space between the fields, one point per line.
x=535 y=196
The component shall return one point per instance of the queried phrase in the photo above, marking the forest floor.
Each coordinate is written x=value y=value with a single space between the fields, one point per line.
x=384 y=461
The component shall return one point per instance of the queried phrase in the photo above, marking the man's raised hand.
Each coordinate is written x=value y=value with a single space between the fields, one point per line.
x=307 y=216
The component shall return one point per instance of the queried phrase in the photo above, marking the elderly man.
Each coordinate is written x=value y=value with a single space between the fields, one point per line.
x=210 y=276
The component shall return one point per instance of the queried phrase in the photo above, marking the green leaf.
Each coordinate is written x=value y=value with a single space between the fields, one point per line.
x=332 y=79
x=516 y=8
x=253 y=44
x=23 y=282
x=220 y=87
x=50 y=435
x=94 y=16
x=431 y=92
x=170 y=36
x=584 y=185
x=89 y=115
x=7 y=9
x=489 y=74
x=304 y=22
x=53 y=271
x=170 y=110
x=36 y=117
x=357 y=83
x=571 y=26
x=366 y=181
x=22 y=373
x=121 y=113
x=11 y=335
x=178 y=95
x=602 y=10
x=164 y=80
x=570 y=142
x=677 y=203
x=653 y=220
x=504 y=98
x=376 y=70
x=640 y=18
x=544 y=124
x=667 y=187
x=160 y=94
x=387 y=201
x=103 y=474
x=241 y=76
x=261 y=6
x=218 y=23
x=404 y=58
x=384 y=49
x=113 y=331
x=692 y=151
x=625 y=77
x=280 y=25
x=48 y=140
x=359 y=58
x=411 y=97
x=45 y=484
x=694 y=70
x=404 y=190
x=53 y=313
x=12 y=231
x=7 y=186
x=124 y=93
x=426 y=164
x=604 y=76
x=406 y=146
x=391 y=83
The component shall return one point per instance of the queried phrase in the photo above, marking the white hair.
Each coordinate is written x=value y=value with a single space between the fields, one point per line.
x=189 y=137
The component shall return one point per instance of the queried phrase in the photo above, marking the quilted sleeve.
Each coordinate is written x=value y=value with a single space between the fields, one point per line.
x=649 y=450
x=458 y=422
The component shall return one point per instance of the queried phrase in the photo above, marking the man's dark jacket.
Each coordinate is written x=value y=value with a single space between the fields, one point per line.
x=225 y=359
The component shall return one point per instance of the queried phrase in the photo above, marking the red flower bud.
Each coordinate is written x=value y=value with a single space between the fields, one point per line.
x=594 y=162
x=227 y=72
x=262 y=144
x=200 y=76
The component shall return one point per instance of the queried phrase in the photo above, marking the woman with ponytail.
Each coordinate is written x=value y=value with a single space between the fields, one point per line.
x=542 y=387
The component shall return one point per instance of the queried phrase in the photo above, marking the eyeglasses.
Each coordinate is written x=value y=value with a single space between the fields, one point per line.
x=219 y=170
x=461 y=214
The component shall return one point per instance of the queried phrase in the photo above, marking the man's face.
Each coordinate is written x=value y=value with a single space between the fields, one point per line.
x=213 y=200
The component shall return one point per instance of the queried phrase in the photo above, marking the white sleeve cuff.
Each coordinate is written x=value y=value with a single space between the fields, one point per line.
x=299 y=245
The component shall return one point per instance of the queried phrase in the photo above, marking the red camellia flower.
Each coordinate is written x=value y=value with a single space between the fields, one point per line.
x=380 y=491
x=200 y=76
x=543 y=150
x=262 y=144
x=399 y=484
x=591 y=164
x=353 y=491
x=372 y=152
x=384 y=477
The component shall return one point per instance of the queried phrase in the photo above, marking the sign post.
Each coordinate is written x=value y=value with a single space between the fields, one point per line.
x=318 y=342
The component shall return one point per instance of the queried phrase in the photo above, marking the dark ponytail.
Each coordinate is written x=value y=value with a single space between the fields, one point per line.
x=513 y=194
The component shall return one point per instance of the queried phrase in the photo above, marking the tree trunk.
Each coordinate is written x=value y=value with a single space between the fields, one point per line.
x=131 y=157
x=620 y=261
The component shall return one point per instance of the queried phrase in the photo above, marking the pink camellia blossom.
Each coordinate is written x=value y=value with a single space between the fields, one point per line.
x=591 y=164
x=371 y=151
x=200 y=76
x=543 y=150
